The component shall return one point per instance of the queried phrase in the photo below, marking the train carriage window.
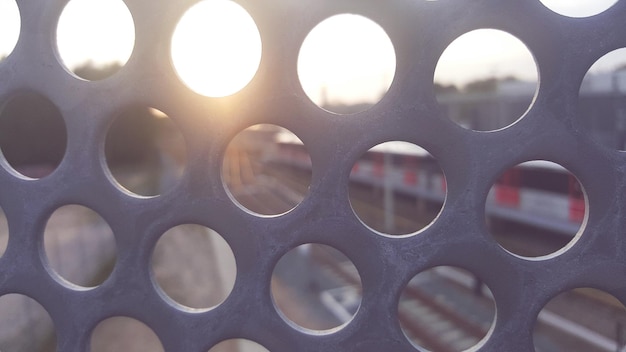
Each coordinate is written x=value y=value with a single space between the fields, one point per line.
x=397 y=188
x=545 y=178
x=535 y=208
x=398 y=160
x=410 y=161
x=510 y=177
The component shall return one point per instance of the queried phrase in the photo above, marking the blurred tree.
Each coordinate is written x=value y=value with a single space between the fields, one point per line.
x=482 y=86
x=92 y=72
x=445 y=88
x=488 y=84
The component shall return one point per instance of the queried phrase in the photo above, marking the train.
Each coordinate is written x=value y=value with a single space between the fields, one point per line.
x=537 y=193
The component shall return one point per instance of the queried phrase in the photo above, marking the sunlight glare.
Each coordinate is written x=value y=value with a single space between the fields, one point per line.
x=216 y=48
x=9 y=26
x=95 y=31
x=346 y=59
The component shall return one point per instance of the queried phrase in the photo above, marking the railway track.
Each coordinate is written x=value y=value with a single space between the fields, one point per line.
x=256 y=191
x=432 y=323
x=428 y=320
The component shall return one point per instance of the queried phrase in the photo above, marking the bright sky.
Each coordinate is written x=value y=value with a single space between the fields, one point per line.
x=485 y=53
x=579 y=8
x=100 y=31
x=209 y=61
x=9 y=26
x=349 y=57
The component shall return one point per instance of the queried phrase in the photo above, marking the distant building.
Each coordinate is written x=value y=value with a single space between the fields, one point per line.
x=601 y=109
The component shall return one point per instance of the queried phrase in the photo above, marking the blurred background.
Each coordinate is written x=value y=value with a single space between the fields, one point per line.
x=484 y=81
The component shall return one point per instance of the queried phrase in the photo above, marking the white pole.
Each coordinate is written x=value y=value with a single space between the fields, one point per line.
x=388 y=194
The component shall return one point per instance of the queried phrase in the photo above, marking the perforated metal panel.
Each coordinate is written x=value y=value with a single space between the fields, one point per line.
x=564 y=49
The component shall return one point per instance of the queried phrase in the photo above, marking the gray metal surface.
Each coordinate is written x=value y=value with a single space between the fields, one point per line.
x=564 y=48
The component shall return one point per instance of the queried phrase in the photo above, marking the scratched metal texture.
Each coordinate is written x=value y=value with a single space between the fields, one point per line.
x=564 y=48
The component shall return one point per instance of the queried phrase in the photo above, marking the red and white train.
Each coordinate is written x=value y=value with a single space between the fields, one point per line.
x=537 y=193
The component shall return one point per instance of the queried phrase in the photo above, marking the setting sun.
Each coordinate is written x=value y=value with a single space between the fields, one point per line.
x=216 y=48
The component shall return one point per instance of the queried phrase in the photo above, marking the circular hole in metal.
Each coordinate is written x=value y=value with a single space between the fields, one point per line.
x=216 y=48
x=446 y=309
x=485 y=80
x=10 y=22
x=602 y=100
x=535 y=208
x=95 y=38
x=242 y=345
x=145 y=151
x=33 y=137
x=397 y=188
x=4 y=232
x=26 y=325
x=316 y=287
x=267 y=169
x=582 y=319
x=578 y=8
x=194 y=266
x=346 y=64
x=124 y=334
x=79 y=246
